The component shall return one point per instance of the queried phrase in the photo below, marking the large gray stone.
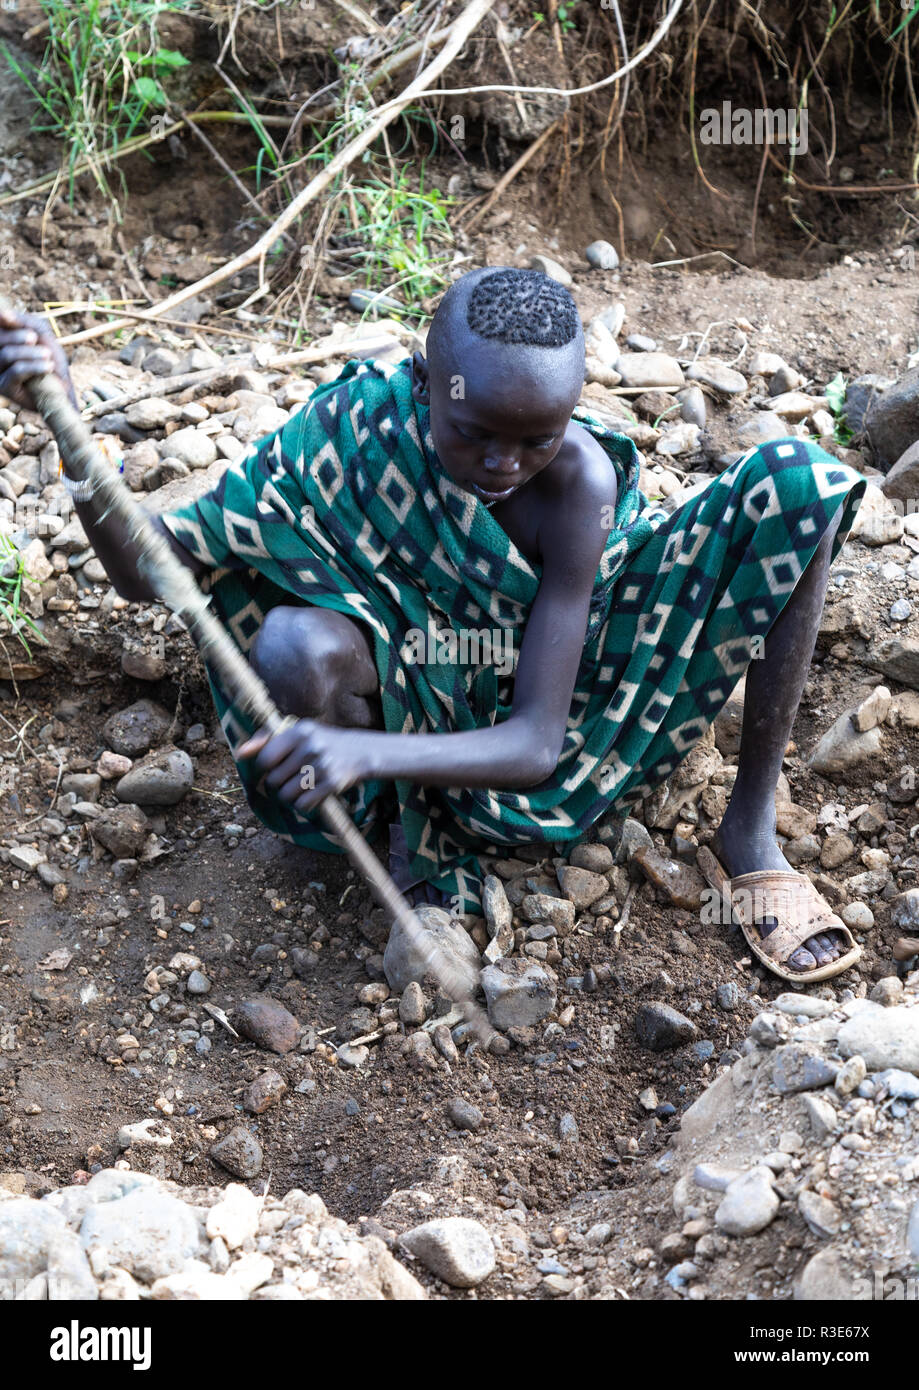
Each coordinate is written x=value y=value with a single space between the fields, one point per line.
x=147 y=1232
x=27 y=1229
x=659 y=1027
x=824 y=1279
x=760 y=427
x=267 y=1023
x=239 y=1152
x=520 y=993
x=711 y=371
x=884 y=1037
x=551 y=268
x=904 y=910
x=582 y=886
x=859 y=395
x=436 y=939
x=601 y=255
x=649 y=369
x=192 y=446
x=69 y=1275
x=495 y=906
x=750 y=1204
x=897 y=658
x=843 y=747
x=903 y=479
x=456 y=1249
x=137 y=729
x=121 y=830
x=163 y=778
x=892 y=418
x=801 y=1068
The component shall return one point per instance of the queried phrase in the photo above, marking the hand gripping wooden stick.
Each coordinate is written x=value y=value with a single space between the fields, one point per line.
x=177 y=588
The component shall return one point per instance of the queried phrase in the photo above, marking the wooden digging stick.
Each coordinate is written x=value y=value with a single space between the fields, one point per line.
x=177 y=588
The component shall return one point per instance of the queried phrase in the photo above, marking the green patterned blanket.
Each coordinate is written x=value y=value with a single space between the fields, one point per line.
x=347 y=507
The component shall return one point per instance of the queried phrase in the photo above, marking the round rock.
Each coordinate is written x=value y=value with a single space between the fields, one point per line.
x=267 y=1023
x=135 y=730
x=162 y=778
x=456 y=1249
x=410 y=958
x=602 y=255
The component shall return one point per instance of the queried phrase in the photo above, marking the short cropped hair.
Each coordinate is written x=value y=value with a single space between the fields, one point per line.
x=522 y=307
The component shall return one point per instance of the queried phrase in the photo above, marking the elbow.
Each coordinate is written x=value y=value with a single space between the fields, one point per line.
x=539 y=762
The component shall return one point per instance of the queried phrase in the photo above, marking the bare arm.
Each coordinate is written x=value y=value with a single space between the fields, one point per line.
x=119 y=554
x=524 y=749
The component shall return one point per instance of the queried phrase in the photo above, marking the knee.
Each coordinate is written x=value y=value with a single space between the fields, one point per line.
x=293 y=655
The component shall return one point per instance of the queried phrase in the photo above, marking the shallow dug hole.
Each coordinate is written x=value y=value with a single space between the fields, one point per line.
x=560 y=1117
x=68 y=1083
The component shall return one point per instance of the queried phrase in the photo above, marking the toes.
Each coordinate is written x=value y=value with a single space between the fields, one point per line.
x=802 y=960
x=818 y=950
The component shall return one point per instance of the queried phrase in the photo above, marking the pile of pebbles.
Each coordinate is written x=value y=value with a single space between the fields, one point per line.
x=127 y=1236
x=805 y=1145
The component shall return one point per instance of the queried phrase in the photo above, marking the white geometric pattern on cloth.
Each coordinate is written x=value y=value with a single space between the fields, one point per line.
x=272 y=500
x=246 y=537
x=693 y=541
x=611 y=771
x=762 y=502
x=621 y=698
x=688 y=645
x=687 y=735
x=580 y=703
x=650 y=625
x=245 y=624
x=831 y=481
x=656 y=707
x=191 y=536
x=733 y=656
x=441 y=559
x=582 y=772
x=773 y=565
x=365 y=542
x=396 y=492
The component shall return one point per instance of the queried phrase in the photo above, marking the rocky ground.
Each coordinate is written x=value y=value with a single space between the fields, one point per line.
x=792 y=1176
x=185 y=997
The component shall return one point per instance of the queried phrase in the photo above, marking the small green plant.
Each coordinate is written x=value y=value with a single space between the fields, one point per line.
x=564 y=12
x=13 y=574
x=100 y=77
x=564 y=15
x=400 y=228
x=392 y=228
x=836 y=398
